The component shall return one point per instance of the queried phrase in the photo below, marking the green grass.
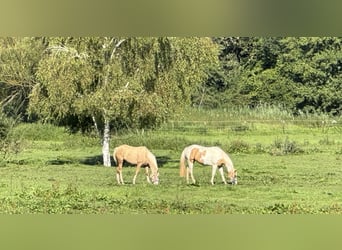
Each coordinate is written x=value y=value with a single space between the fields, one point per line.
x=285 y=167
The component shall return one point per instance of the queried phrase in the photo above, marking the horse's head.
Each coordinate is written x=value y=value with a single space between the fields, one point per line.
x=154 y=177
x=232 y=175
x=154 y=168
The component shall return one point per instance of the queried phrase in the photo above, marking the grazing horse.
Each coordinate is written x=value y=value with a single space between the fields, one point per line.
x=213 y=156
x=139 y=156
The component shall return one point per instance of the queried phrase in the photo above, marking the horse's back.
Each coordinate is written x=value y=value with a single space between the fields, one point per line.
x=125 y=147
x=133 y=154
x=119 y=152
x=187 y=150
x=219 y=152
x=222 y=156
x=121 y=148
x=207 y=155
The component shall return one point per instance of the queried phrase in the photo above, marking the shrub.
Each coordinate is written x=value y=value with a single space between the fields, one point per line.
x=8 y=143
x=339 y=151
x=240 y=128
x=5 y=125
x=285 y=147
x=259 y=148
x=239 y=146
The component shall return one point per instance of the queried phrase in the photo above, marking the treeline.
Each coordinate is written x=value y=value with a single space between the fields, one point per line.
x=300 y=74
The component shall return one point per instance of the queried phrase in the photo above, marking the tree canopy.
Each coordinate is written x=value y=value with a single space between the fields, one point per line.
x=133 y=81
x=303 y=74
x=19 y=58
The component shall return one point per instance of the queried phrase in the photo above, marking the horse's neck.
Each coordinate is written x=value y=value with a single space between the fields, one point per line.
x=152 y=162
x=229 y=163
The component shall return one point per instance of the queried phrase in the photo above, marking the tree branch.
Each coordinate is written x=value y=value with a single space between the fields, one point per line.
x=115 y=47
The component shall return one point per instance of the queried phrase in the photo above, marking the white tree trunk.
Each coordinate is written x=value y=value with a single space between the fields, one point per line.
x=106 y=135
x=105 y=146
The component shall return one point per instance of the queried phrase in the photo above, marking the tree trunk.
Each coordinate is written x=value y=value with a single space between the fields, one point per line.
x=96 y=126
x=105 y=146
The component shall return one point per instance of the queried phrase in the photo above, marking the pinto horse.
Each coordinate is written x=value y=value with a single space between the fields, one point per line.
x=139 y=156
x=213 y=156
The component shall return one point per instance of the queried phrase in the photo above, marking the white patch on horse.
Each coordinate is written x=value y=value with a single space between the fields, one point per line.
x=207 y=159
x=213 y=156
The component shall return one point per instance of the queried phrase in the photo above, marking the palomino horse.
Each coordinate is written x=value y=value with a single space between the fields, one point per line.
x=213 y=156
x=139 y=156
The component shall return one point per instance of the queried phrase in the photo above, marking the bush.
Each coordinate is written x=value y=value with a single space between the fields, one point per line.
x=240 y=128
x=5 y=125
x=8 y=144
x=239 y=146
x=285 y=147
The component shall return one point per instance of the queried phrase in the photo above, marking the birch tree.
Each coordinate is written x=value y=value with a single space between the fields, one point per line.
x=133 y=81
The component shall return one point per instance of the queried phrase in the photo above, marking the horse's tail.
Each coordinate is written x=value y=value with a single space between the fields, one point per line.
x=182 y=167
x=114 y=155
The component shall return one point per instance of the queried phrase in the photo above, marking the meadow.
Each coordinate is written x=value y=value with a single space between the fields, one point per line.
x=286 y=165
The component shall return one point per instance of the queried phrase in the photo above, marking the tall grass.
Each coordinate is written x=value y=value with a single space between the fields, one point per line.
x=39 y=132
x=261 y=112
x=244 y=119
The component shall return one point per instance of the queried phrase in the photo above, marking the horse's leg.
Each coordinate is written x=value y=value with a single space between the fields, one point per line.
x=213 y=173
x=136 y=172
x=222 y=175
x=119 y=173
x=187 y=174
x=147 y=174
x=190 y=170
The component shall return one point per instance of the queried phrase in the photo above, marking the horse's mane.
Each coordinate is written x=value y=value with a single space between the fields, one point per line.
x=152 y=159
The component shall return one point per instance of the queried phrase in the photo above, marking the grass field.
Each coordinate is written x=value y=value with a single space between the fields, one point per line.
x=286 y=165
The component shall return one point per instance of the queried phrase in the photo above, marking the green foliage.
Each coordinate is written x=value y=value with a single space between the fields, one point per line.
x=280 y=147
x=19 y=58
x=9 y=144
x=133 y=82
x=314 y=65
x=303 y=74
x=239 y=146
x=140 y=82
x=4 y=126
